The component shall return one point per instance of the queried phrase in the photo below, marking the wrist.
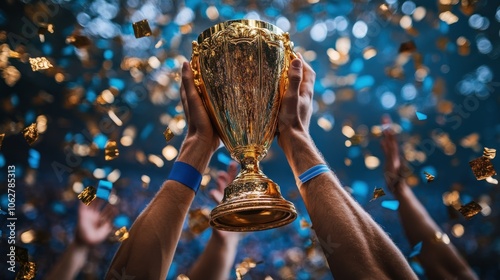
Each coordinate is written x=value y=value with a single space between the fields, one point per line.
x=289 y=139
x=300 y=151
x=195 y=152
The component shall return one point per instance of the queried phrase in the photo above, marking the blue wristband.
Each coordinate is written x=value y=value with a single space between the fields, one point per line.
x=186 y=175
x=313 y=172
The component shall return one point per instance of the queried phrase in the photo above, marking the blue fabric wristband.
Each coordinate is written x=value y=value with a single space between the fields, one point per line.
x=313 y=172
x=186 y=175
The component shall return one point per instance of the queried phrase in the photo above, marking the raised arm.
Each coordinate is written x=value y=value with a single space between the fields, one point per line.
x=354 y=245
x=93 y=227
x=439 y=260
x=148 y=252
x=218 y=257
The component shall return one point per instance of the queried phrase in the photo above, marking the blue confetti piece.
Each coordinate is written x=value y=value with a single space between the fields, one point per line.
x=359 y=189
x=104 y=189
x=108 y=54
x=2 y=161
x=121 y=221
x=47 y=49
x=3 y=17
x=416 y=250
x=34 y=159
x=117 y=83
x=421 y=116
x=14 y=99
x=2 y=212
x=390 y=204
x=29 y=118
x=91 y=96
x=364 y=82
x=272 y=12
x=357 y=65
x=429 y=169
x=223 y=158
x=405 y=125
x=417 y=268
x=58 y=208
x=100 y=140
x=69 y=50
x=146 y=131
x=4 y=201
x=303 y=22
x=353 y=152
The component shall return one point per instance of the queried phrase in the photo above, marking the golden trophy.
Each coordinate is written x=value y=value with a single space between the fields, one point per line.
x=240 y=69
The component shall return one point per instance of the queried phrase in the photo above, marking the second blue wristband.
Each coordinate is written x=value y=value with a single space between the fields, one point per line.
x=313 y=172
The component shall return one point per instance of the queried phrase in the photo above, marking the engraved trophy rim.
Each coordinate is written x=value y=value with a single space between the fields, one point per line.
x=207 y=33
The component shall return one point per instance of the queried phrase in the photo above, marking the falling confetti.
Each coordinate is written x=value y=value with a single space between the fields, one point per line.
x=168 y=134
x=40 y=63
x=199 y=220
x=429 y=177
x=141 y=28
x=377 y=192
x=416 y=250
x=489 y=153
x=87 y=195
x=104 y=189
x=30 y=133
x=2 y=136
x=470 y=209
x=421 y=116
x=111 y=150
x=390 y=204
x=27 y=271
x=482 y=168
x=244 y=267
x=441 y=237
x=121 y=234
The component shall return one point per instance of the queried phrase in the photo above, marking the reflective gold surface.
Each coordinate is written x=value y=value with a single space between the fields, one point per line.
x=240 y=69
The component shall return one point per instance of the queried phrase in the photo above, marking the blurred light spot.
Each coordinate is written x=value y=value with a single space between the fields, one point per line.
x=205 y=179
x=419 y=13
x=145 y=181
x=483 y=72
x=99 y=173
x=476 y=21
x=328 y=97
x=405 y=22
x=169 y=152
x=115 y=118
x=343 y=45
x=348 y=131
x=421 y=116
x=252 y=15
x=126 y=141
x=28 y=236
x=372 y=162
x=41 y=123
x=156 y=160
x=408 y=92
x=457 y=230
x=212 y=13
x=388 y=100
x=34 y=158
x=341 y=23
x=283 y=23
x=484 y=45
x=154 y=62
x=369 y=52
x=348 y=143
x=497 y=15
x=113 y=199
x=326 y=122
x=491 y=180
x=184 y=16
x=448 y=17
x=121 y=221
x=359 y=188
x=223 y=158
x=318 y=32
x=408 y=7
x=83 y=19
x=359 y=29
x=114 y=175
x=421 y=74
x=77 y=187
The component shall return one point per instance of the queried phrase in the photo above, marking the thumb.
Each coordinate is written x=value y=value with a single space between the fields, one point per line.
x=294 y=76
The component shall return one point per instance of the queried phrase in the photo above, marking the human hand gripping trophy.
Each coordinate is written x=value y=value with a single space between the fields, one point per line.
x=240 y=70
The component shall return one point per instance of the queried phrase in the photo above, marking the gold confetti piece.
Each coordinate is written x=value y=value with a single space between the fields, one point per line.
x=245 y=266
x=111 y=150
x=46 y=27
x=78 y=41
x=199 y=220
x=182 y=277
x=11 y=75
x=141 y=28
x=2 y=136
x=27 y=271
x=88 y=195
x=121 y=234
x=489 y=153
x=470 y=209
x=31 y=134
x=377 y=192
x=482 y=168
x=429 y=177
x=39 y=63
x=168 y=134
x=304 y=223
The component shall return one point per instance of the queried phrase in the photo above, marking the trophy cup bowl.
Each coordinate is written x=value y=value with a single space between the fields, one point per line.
x=240 y=69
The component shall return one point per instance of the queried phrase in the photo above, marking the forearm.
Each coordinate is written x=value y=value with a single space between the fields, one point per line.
x=216 y=260
x=439 y=259
x=353 y=243
x=70 y=263
x=148 y=252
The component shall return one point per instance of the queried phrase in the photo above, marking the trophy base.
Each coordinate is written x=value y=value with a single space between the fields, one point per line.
x=254 y=206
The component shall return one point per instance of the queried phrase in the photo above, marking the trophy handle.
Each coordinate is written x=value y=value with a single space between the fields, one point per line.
x=289 y=56
x=195 y=66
